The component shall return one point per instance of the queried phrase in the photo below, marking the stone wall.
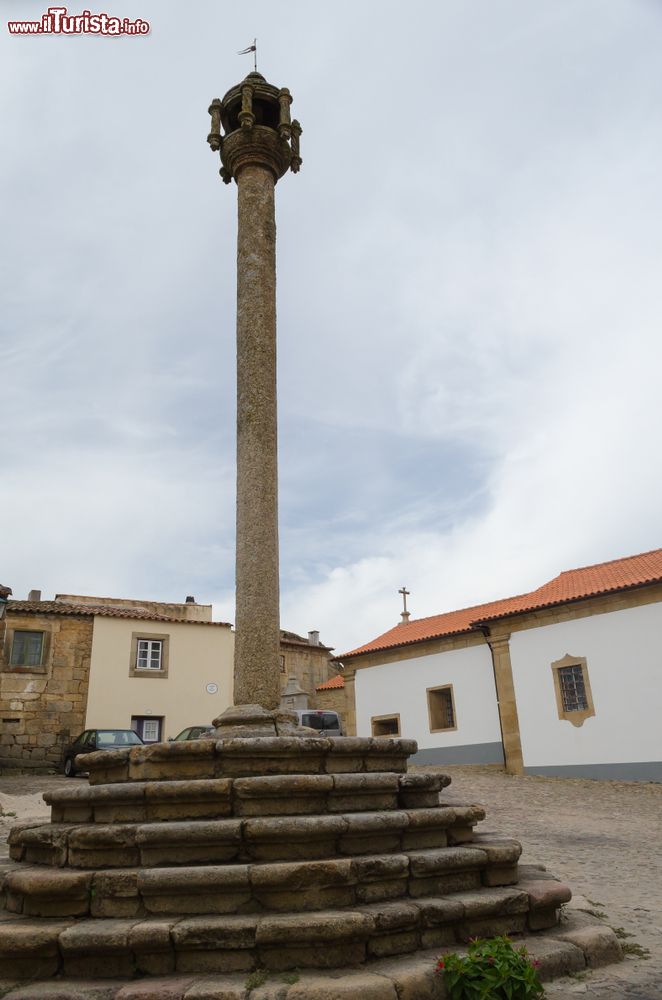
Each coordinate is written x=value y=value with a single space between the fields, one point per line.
x=43 y=705
x=333 y=700
x=309 y=663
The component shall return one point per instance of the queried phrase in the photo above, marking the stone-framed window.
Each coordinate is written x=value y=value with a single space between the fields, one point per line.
x=441 y=709
x=572 y=687
x=385 y=725
x=26 y=650
x=149 y=654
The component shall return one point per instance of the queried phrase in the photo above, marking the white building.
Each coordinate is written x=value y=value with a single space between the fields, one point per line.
x=565 y=680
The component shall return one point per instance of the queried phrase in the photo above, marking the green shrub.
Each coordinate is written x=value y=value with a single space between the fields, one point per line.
x=492 y=970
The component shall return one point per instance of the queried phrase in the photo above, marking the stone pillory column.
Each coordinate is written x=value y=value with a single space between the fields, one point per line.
x=259 y=143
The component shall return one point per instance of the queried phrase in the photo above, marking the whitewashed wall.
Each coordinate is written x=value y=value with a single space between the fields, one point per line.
x=623 y=650
x=400 y=688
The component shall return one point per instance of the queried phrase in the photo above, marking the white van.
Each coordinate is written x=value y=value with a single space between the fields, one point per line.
x=327 y=723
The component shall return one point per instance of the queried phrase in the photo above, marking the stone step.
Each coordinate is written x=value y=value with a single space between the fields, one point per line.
x=248 y=756
x=280 y=886
x=217 y=943
x=273 y=795
x=586 y=944
x=265 y=838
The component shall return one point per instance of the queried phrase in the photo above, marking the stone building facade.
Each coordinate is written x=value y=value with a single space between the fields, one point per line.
x=308 y=661
x=78 y=662
x=44 y=675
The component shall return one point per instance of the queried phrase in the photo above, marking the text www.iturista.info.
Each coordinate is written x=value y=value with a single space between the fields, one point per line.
x=56 y=21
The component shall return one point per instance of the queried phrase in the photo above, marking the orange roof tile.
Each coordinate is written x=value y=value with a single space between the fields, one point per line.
x=571 y=585
x=334 y=683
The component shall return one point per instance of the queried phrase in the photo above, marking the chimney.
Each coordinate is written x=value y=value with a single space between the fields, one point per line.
x=314 y=638
x=190 y=600
x=34 y=595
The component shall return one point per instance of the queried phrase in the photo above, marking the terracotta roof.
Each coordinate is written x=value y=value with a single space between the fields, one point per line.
x=333 y=684
x=571 y=585
x=103 y=610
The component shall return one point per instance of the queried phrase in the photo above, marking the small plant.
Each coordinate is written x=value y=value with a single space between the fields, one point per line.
x=621 y=933
x=257 y=978
x=600 y=914
x=594 y=902
x=632 y=948
x=290 y=978
x=492 y=970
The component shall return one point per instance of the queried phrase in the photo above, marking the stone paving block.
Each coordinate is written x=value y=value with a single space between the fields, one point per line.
x=414 y=977
x=440 y=910
x=352 y=986
x=300 y=875
x=332 y=956
x=292 y=837
x=211 y=933
x=391 y=916
x=556 y=957
x=500 y=875
x=192 y=890
x=71 y=990
x=441 y=885
x=431 y=862
x=209 y=842
x=545 y=894
x=323 y=927
x=488 y=902
x=218 y=988
x=170 y=988
x=188 y=799
x=598 y=943
x=214 y=961
x=499 y=851
x=393 y=943
x=494 y=926
x=48 y=893
x=101 y=846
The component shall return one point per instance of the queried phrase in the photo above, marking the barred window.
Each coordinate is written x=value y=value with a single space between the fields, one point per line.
x=573 y=689
x=441 y=708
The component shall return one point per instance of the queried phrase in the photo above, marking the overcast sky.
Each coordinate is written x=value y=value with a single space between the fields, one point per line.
x=469 y=302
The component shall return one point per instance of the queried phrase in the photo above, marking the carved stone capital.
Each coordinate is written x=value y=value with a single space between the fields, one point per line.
x=260 y=146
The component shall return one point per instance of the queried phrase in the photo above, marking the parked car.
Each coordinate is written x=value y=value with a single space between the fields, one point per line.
x=327 y=722
x=193 y=733
x=97 y=739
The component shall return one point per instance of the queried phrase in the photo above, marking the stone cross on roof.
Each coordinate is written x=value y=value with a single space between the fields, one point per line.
x=404 y=614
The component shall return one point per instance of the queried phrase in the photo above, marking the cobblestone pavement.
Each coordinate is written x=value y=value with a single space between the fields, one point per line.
x=604 y=839
x=600 y=837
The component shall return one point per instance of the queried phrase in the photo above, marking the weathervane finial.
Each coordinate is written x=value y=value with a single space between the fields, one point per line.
x=251 y=48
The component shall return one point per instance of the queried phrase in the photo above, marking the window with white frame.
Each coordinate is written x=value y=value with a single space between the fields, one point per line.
x=149 y=654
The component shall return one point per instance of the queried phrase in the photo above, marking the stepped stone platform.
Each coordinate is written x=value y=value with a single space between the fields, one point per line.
x=252 y=851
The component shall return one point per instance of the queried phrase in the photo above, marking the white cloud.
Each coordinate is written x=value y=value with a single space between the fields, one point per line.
x=468 y=303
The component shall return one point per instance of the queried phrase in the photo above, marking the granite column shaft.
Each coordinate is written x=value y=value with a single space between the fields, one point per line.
x=257 y=625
